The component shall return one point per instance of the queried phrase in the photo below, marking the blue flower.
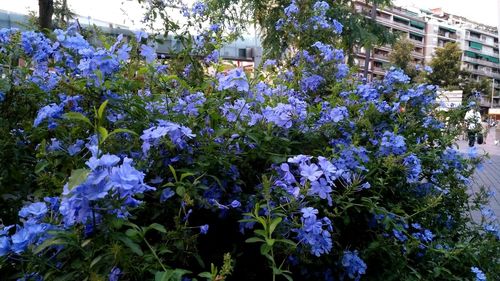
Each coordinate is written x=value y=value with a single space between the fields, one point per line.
x=50 y=112
x=139 y=35
x=308 y=212
x=291 y=9
x=76 y=147
x=148 y=53
x=414 y=168
x=166 y=194
x=235 y=78
x=310 y=172
x=321 y=188
x=4 y=245
x=204 y=229
x=353 y=264
x=115 y=273
x=199 y=8
x=235 y=204
x=480 y=276
x=36 y=210
x=392 y=144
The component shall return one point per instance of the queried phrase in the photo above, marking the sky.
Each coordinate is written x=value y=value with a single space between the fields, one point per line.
x=122 y=11
x=482 y=11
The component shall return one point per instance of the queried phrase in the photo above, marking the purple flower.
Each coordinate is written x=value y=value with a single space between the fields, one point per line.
x=204 y=229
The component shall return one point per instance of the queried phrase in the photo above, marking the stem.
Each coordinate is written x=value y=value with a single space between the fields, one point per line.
x=154 y=254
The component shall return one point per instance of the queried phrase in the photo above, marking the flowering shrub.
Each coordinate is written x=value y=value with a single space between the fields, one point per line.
x=142 y=168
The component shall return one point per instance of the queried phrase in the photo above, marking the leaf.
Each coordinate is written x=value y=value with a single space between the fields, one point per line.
x=206 y=274
x=264 y=249
x=270 y=241
x=158 y=227
x=40 y=166
x=77 y=116
x=134 y=247
x=77 y=177
x=180 y=190
x=103 y=132
x=95 y=261
x=185 y=175
x=254 y=240
x=173 y=172
x=48 y=243
x=274 y=224
x=101 y=109
x=118 y=131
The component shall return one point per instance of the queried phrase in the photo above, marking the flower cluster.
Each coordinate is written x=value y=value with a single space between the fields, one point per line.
x=316 y=233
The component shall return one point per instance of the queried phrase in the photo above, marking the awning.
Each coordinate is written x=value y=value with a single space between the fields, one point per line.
x=491 y=59
x=402 y=19
x=471 y=54
x=475 y=45
x=447 y=28
x=417 y=24
x=417 y=35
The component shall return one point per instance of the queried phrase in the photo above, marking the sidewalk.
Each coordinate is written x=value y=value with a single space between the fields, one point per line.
x=489 y=175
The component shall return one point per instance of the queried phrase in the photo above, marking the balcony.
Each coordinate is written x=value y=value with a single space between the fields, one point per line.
x=451 y=36
x=484 y=73
x=482 y=40
x=481 y=62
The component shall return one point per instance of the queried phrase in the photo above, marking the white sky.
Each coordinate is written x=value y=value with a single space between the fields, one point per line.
x=484 y=11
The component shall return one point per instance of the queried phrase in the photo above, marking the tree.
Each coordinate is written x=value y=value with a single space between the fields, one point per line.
x=401 y=57
x=470 y=86
x=45 y=12
x=446 y=66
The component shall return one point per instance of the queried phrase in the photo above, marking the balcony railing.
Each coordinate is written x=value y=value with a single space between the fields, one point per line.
x=481 y=62
x=483 y=40
x=452 y=36
x=484 y=73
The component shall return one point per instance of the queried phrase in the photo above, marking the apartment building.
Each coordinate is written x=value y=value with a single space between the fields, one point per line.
x=396 y=20
x=432 y=29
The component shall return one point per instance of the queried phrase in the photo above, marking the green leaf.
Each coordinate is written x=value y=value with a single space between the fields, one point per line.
x=206 y=274
x=40 y=166
x=254 y=240
x=274 y=224
x=48 y=243
x=103 y=132
x=264 y=249
x=101 y=109
x=118 y=131
x=158 y=227
x=95 y=261
x=185 y=175
x=77 y=177
x=180 y=190
x=77 y=116
x=134 y=247
x=173 y=172
x=270 y=241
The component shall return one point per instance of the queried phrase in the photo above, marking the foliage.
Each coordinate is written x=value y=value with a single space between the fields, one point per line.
x=446 y=65
x=401 y=57
x=135 y=167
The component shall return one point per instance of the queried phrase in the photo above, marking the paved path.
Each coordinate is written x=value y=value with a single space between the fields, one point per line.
x=489 y=175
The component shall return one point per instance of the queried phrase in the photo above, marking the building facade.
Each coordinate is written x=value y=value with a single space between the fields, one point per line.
x=432 y=29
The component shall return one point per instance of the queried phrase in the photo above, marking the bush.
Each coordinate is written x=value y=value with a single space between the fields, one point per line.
x=136 y=168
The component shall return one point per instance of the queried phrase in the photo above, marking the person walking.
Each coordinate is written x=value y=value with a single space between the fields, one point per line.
x=473 y=124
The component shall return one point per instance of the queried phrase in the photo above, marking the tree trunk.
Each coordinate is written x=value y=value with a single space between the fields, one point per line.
x=45 y=11
x=368 y=49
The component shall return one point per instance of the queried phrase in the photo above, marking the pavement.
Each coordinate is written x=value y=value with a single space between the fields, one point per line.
x=487 y=175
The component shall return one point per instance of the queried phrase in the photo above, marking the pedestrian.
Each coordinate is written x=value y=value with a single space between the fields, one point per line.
x=473 y=124
x=486 y=130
